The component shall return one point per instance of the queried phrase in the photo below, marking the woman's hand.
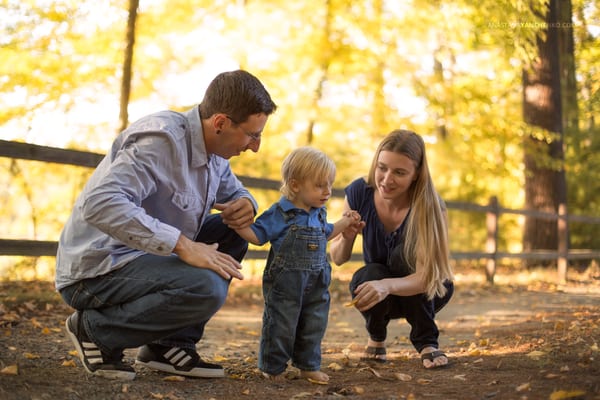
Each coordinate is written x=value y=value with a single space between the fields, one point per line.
x=370 y=293
x=355 y=228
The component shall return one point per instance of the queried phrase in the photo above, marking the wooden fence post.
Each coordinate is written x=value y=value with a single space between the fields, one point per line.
x=491 y=243
x=563 y=242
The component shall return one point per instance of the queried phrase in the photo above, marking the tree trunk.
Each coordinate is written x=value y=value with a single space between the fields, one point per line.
x=566 y=41
x=127 y=65
x=545 y=184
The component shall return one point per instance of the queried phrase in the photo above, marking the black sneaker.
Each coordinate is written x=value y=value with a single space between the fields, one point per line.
x=176 y=360
x=94 y=361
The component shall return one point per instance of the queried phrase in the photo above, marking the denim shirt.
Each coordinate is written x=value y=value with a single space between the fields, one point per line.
x=157 y=182
x=271 y=226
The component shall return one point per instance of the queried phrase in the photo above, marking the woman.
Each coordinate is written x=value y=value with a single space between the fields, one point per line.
x=407 y=272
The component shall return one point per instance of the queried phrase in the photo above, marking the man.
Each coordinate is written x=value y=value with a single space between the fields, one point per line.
x=141 y=258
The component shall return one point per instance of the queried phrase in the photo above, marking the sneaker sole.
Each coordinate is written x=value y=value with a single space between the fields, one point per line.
x=195 y=372
x=120 y=375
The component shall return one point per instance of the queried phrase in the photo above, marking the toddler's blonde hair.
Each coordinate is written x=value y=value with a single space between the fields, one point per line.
x=305 y=163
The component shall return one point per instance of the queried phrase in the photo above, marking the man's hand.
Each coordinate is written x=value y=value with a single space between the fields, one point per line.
x=236 y=214
x=207 y=256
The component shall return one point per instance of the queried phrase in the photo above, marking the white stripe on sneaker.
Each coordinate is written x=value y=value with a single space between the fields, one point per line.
x=184 y=360
x=177 y=356
x=92 y=353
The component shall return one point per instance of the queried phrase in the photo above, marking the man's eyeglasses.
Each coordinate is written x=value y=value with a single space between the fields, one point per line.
x=254 y=137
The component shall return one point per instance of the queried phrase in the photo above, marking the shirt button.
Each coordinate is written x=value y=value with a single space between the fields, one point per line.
x=159 y=248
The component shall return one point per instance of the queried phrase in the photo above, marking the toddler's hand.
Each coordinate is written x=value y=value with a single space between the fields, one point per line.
x=355 y=216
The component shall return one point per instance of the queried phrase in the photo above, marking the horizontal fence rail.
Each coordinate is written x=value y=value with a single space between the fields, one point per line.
x=26 y=151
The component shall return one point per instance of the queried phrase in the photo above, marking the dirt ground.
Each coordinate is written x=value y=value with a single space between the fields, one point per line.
x=531 y=340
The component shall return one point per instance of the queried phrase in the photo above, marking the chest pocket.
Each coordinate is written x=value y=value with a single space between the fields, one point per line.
x=186 y=201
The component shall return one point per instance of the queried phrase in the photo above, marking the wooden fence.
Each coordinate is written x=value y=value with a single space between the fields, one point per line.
x=493 y=210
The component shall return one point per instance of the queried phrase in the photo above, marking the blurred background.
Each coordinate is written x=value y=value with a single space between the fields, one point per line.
x=506 y=94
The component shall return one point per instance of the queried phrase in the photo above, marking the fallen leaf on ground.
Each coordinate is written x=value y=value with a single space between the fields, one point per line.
x=317 y=382
x=563 y=394
x=31 y=356
x=374 y=372
x=301 y=395
x=523 y=387
x=403 y=377
x=335 y=366
x=359 y=389
x=536 y=354
x=10 y=370
x=460 y=377
x=174 y=378
x=68 y=363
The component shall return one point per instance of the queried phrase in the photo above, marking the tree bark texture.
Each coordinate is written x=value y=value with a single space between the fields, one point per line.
x=545 y=184
x=128 y=65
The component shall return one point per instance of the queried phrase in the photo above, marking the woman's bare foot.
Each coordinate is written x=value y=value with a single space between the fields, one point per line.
x=318 y=376
x=433 y=358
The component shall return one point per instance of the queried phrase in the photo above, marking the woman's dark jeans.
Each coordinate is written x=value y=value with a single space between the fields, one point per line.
x=418 y=310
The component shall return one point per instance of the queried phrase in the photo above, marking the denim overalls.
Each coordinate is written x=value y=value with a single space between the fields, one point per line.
x=296 y=292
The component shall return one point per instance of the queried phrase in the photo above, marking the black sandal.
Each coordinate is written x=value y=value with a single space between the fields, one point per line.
x=372 y=353
x=433 y=355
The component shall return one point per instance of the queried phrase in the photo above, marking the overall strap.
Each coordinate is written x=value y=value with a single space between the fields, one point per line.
x=322 y=218
x=287 y=215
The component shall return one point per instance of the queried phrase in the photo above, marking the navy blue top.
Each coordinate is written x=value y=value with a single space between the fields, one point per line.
x=377 y=244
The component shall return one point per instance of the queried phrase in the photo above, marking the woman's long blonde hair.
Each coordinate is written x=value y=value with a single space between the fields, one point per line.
x=426 y=235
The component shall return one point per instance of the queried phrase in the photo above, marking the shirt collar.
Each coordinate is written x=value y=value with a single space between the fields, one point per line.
x=199 y=154
x=287 y=205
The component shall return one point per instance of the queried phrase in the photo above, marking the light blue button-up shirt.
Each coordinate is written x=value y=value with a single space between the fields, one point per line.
x=156 y=183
